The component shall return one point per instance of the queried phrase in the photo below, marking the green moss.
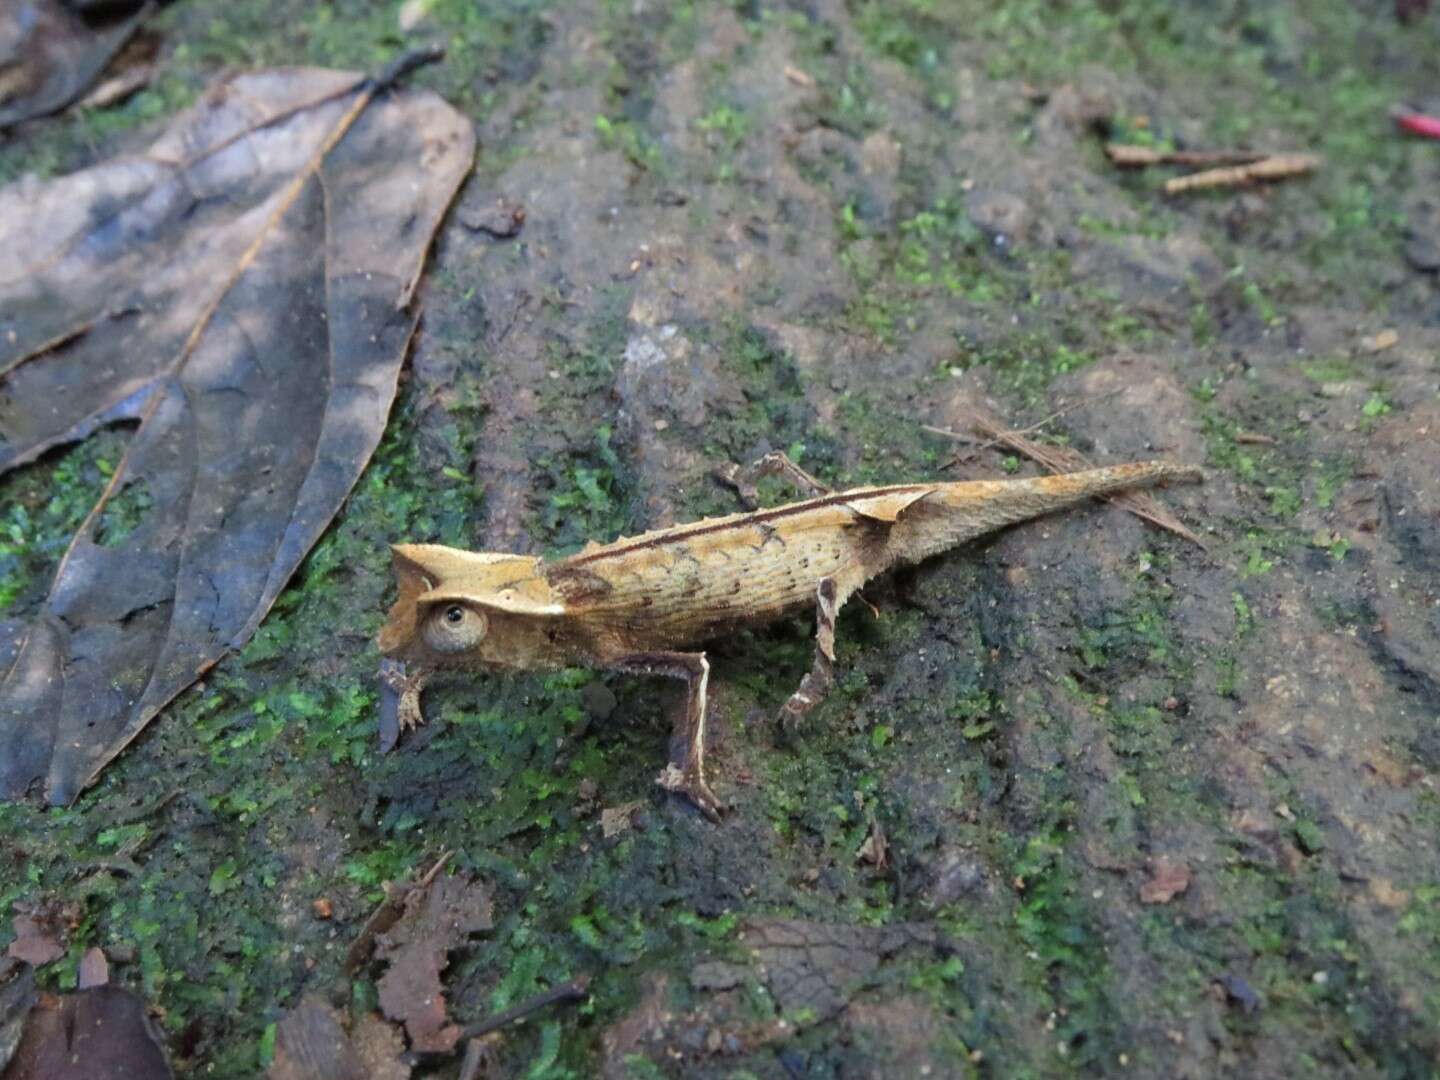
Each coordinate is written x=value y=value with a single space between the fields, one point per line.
x=41 y=507
x=1055 y=926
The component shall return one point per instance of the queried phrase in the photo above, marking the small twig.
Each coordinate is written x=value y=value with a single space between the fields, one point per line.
x=957 y=436
x=145 y=810
x=1132 y=157
x=988 y=443
x=1276 y=167
x=576 y=989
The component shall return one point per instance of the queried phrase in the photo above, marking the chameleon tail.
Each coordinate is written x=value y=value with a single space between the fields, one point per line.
x=951 y=514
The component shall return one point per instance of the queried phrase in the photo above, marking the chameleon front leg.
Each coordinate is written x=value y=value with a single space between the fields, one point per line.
x=400 y=691
x=688 y=778
x=817 y=681
x=407 y=686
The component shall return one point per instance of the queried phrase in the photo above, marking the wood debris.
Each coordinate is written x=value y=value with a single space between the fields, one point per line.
x=1129 y=156
x=1218 y=168
x=1277 y=167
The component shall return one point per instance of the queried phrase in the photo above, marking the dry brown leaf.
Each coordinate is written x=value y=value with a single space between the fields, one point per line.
x=102 y=1032
x=615 y=820
x=37 y=941
x=876 y=848
x=243 y=290
x=312 y=1044
x=416 y=950
x=1384 y=893
x=820 y=966
x=94 y=968
x=1168 y=879
x=1385 y=339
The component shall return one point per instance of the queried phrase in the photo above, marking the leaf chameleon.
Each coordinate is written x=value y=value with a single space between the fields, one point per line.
x=647 y=604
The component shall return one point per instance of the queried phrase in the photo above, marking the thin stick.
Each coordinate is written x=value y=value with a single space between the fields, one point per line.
x=1277 y=167
x=575 y=990
x=1129 y=156
x=1019 y=431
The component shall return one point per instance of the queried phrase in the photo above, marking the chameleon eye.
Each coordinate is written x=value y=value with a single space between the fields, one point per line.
x=455 y=628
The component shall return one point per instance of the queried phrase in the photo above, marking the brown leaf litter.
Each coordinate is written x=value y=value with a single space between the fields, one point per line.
x=1168 y=879
x=416 y=950
x=100 y=1032
x=312 y=1044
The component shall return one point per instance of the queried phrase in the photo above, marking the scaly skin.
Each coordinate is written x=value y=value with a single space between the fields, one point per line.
x=642 y=604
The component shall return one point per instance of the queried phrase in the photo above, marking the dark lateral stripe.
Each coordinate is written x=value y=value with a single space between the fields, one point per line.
x=757 y=518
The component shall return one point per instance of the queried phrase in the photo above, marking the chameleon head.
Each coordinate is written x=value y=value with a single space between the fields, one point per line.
x=467 y=609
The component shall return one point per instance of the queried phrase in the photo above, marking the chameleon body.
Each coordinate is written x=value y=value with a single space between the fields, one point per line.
x=644 y=604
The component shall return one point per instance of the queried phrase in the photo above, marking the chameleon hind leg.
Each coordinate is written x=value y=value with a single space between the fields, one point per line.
x=778 y=463
x=818 y=680
x=687 y=778
x=775 y=463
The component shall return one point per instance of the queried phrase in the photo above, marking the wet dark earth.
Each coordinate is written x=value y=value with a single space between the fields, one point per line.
x=1088 y=798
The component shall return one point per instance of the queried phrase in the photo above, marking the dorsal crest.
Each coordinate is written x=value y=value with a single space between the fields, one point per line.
x=509 y=583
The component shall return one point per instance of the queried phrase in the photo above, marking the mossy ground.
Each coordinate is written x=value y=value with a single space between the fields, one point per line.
x=841 y=222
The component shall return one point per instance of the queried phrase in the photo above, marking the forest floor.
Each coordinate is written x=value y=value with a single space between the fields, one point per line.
x=1149 y=808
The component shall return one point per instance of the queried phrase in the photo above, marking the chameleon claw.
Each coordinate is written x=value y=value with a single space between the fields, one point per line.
x=409 y=686
x=799 y=704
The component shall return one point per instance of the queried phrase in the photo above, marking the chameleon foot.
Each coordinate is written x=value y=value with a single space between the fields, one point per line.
x=691 y=784
x=816 y=683
x=687 y=778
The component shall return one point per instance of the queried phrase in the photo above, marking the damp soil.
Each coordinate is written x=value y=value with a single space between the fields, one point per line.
x=1145 y=807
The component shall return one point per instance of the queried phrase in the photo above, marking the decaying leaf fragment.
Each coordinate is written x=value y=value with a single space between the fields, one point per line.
x=50 y=52
x=93 y=1033
x=243 y=290
x=417 y=948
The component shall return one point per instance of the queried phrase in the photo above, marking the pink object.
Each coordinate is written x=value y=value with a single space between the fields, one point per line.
x=1419 y=124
